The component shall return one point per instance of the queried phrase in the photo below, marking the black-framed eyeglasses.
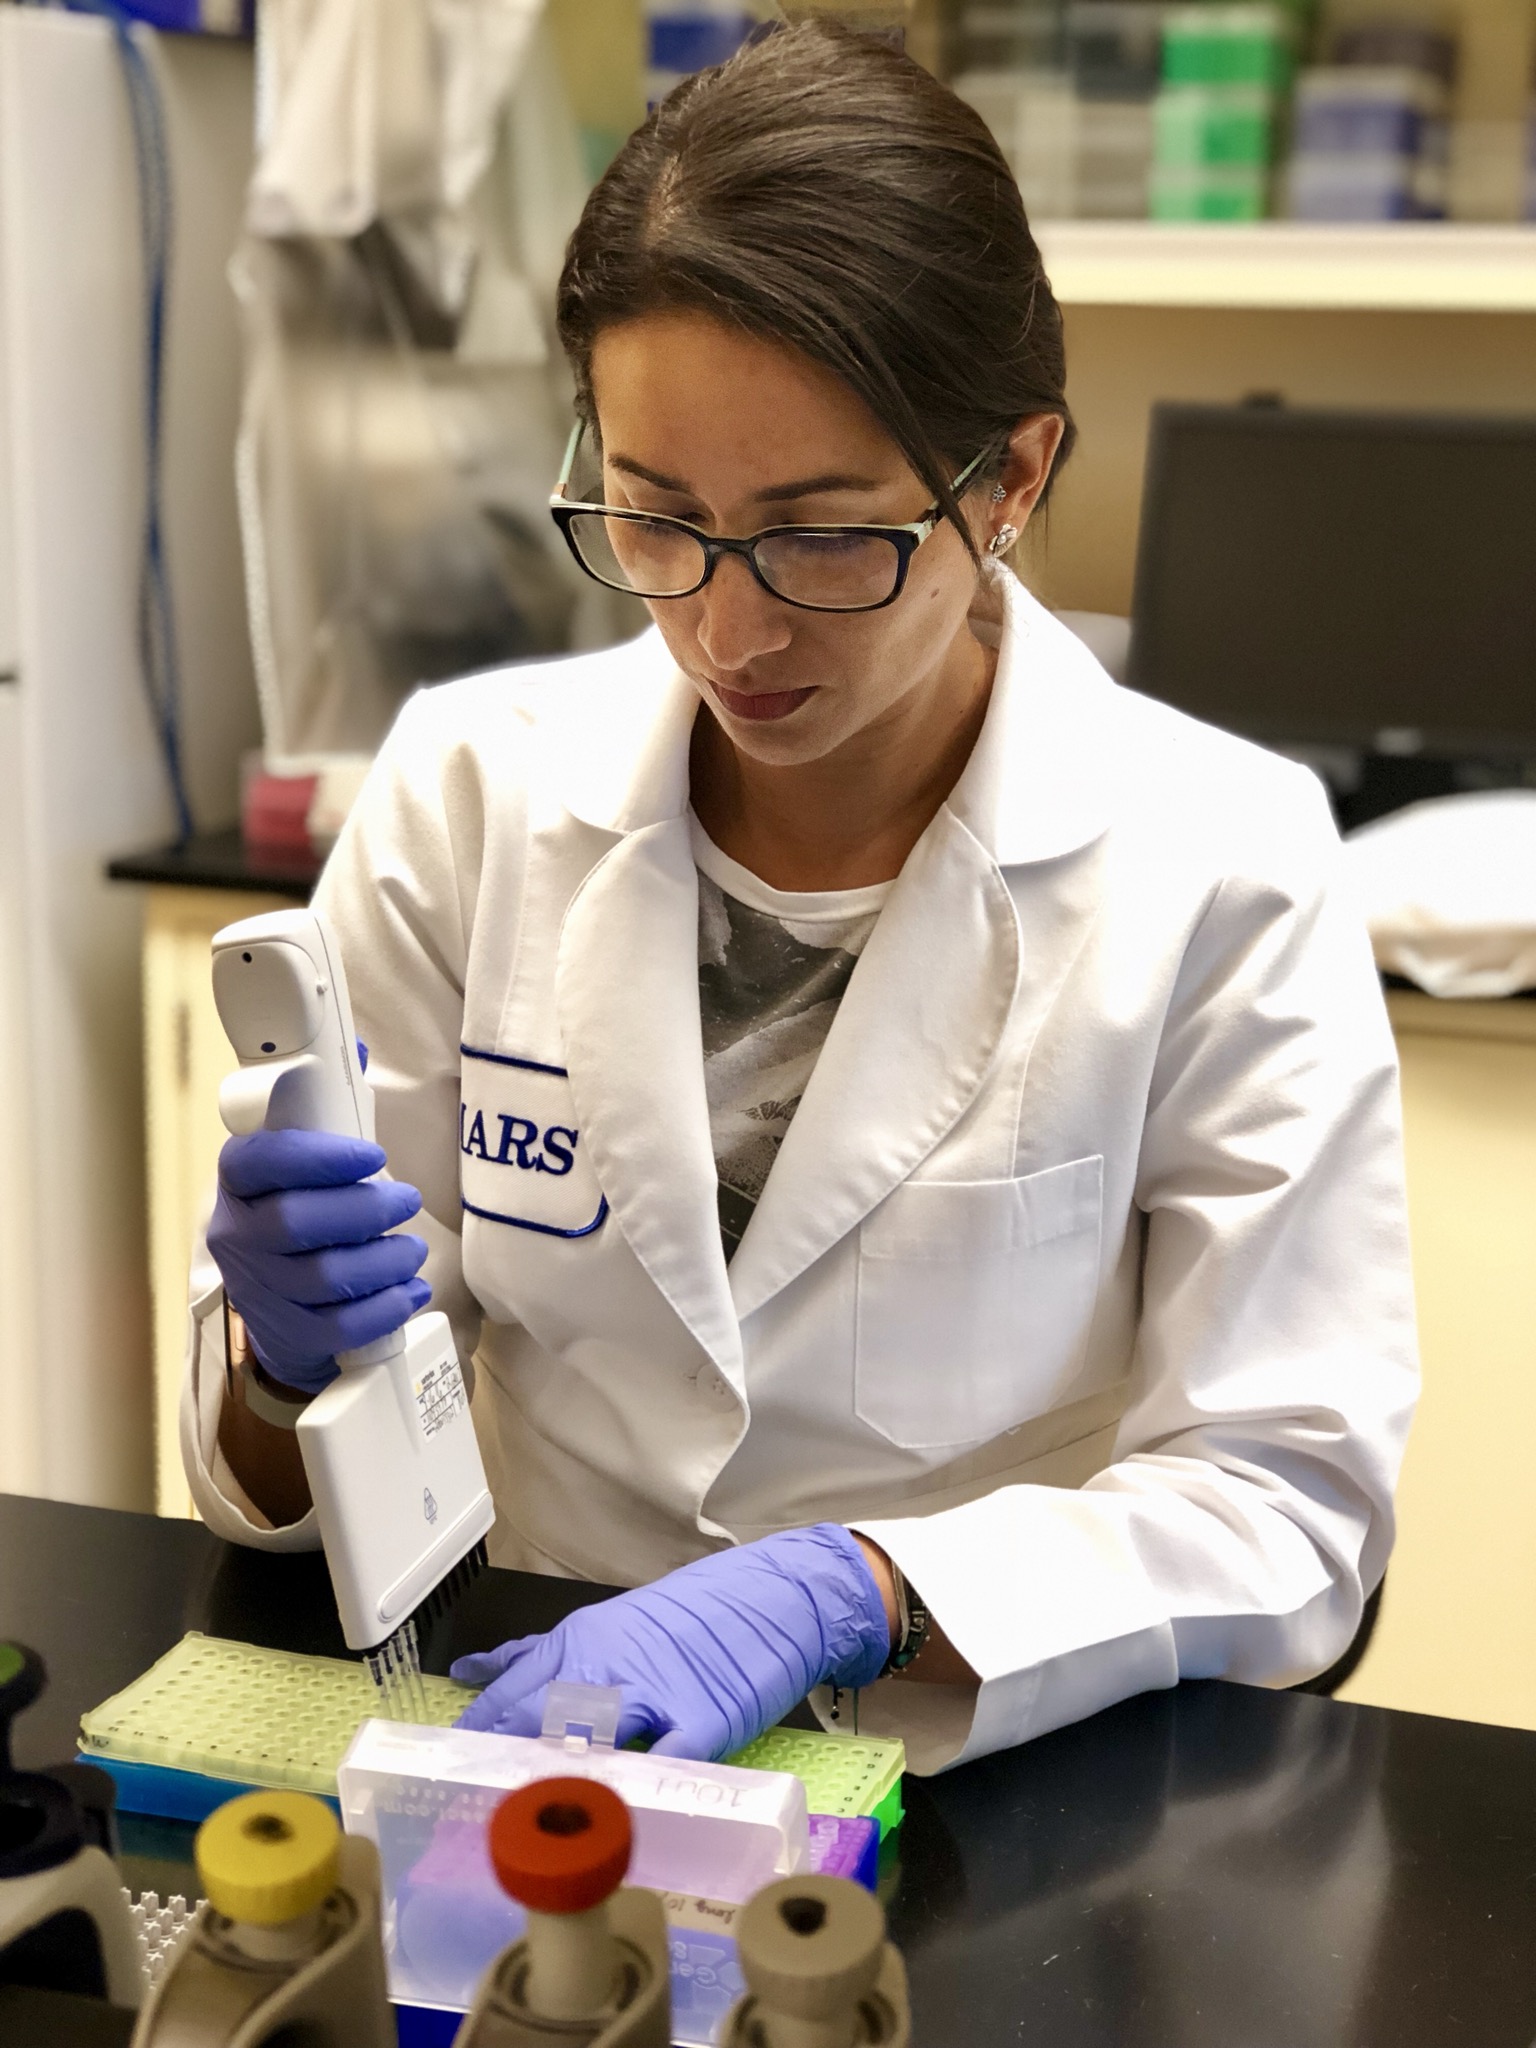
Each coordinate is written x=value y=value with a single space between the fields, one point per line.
x=817 y=568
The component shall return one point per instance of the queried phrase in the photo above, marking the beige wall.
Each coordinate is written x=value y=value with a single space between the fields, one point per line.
x=1120 y=359
x=599 y=44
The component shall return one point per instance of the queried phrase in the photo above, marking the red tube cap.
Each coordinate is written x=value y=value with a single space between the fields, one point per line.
x=561 y=1845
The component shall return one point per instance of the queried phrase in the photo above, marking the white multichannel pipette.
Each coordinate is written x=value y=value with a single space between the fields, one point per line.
x=388 y=1447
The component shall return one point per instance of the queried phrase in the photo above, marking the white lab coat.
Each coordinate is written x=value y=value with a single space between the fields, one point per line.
x=1080 y=1283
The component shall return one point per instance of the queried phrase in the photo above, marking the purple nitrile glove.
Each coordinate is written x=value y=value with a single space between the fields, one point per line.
x=299 y=1232
x=710 y=1655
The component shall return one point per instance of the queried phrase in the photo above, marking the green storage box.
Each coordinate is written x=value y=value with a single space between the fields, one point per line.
x=1199 y=127
x=1247 y=45
x=1209 y=195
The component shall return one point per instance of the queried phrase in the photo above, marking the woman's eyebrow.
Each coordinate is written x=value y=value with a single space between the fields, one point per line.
x=778 y=494
x=630 y=467
x=817 y=487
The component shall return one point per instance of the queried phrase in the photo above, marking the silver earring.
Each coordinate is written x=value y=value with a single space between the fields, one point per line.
x=1002 y=540
x=998 y=494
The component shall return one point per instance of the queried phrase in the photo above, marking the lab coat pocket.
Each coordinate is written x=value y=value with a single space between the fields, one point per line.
x=975 y=1300
x=521 y=1157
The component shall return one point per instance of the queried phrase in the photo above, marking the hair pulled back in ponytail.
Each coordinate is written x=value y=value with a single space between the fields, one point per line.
x=823 y=191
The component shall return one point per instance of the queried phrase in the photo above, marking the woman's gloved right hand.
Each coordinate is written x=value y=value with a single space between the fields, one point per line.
x=309 y=1250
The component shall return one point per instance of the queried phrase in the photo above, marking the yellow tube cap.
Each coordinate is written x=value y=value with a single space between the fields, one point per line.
x=267 y=1857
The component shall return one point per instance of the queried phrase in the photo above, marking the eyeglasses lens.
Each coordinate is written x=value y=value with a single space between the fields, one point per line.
x=646 y=557
x=828 y=571
x=833 y=571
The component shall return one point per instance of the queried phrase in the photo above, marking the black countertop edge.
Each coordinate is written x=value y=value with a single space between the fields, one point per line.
x=219 y=860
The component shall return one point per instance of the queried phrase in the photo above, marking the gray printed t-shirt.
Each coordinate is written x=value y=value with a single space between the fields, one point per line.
x=773 y=966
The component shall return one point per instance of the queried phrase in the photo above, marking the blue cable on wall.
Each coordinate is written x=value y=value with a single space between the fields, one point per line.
x=158 y=660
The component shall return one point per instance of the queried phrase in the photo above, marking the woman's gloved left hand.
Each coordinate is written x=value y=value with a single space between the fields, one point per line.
x=710 y=1655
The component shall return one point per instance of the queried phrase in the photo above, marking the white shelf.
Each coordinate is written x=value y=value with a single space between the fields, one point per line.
x=1418 y=268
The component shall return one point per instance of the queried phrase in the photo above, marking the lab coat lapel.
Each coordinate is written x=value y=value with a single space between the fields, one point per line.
x=924 y=1013
x=932 y=995
x=627 y=987
x=908 y=1051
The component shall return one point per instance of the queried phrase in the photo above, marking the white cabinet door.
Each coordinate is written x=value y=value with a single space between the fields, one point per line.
x=1457 y=1634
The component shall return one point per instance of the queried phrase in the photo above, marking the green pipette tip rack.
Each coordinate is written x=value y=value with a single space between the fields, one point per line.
x=845 y=1775
x=251 y=1716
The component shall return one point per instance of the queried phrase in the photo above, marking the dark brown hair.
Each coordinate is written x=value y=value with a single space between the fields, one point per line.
x=824 y=191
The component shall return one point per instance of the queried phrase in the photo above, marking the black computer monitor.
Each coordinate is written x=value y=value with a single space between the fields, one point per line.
x=1341 y=578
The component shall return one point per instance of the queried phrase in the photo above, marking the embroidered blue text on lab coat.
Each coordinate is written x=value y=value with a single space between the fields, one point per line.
x=521 y=1157
x=518 y=1138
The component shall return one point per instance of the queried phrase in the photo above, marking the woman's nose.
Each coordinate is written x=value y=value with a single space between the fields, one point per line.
x=738 y=621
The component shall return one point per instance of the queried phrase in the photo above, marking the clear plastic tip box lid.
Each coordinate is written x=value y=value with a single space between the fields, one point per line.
x=425 y=1795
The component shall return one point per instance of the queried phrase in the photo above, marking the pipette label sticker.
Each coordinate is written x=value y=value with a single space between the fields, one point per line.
x=440 y=1396
x=522 y=1159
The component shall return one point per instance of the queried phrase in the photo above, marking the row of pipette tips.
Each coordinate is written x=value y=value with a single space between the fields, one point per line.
x=395 y=1668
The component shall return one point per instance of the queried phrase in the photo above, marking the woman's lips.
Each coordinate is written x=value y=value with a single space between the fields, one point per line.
x=760 y=704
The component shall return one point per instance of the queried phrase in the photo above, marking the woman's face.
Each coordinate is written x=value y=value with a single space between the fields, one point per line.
x=702 y=422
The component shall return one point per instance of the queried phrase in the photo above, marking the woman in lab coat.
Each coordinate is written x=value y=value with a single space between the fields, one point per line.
x=905 y=1130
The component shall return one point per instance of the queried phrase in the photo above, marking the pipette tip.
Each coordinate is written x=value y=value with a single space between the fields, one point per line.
x=395 y=1666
